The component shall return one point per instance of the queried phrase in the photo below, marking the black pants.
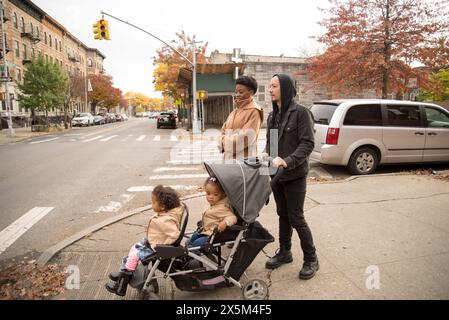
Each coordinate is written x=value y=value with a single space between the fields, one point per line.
x=289 y=197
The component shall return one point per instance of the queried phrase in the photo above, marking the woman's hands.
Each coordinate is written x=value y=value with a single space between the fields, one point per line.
x=279 y=162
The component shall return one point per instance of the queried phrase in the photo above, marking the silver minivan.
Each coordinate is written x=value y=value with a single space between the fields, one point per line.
x=361 y=134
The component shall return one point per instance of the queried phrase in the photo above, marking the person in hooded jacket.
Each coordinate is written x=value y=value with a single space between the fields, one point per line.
x=240 y=131
x=290 y=129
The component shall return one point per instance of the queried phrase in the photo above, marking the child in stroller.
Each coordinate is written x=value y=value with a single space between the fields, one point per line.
x=218 y=215
x=163 y=228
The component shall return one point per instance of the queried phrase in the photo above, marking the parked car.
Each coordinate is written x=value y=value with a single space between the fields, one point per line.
x=153 y=115
x=83 y=119
x=166 y=119
x=361 y=134
x=124 y=117
x=99 y=119
x=111 y=117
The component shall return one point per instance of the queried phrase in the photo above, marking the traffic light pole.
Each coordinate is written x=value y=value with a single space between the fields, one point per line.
x=3 y=35
x=195 y=122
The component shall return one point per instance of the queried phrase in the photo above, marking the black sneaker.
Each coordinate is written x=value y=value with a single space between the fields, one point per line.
x=281 y=257
x=309 y=269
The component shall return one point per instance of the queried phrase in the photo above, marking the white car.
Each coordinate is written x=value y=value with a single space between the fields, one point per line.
x=83 y=119
x=361 y=134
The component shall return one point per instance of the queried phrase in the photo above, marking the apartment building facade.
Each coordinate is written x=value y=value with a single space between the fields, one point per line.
x=30 y=32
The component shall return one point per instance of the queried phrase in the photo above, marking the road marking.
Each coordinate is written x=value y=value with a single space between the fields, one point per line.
x=150 y=188
x=16 y=229
x=95 y=138
x=41 y=141
x=141 y=138
x=114 y=206
x=165 y=169
x=109 y=138
x=179 y=176
x=73 y=134
x=173 y=138
x=157 y=138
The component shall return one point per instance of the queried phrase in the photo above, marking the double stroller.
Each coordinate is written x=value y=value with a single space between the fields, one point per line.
x=247 y=185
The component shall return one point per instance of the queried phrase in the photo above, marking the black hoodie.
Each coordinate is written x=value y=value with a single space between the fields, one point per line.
x=295 y=135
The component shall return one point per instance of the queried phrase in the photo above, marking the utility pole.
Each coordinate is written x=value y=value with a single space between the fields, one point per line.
x=195 y=122
x=5 y=68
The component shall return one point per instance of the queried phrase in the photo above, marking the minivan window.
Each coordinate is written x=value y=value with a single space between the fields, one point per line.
x=322 y=113
x=403 y=116
x=436 y=118
x=364 y=115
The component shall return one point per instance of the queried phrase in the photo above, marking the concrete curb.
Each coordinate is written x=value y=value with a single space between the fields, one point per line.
x=48 y=254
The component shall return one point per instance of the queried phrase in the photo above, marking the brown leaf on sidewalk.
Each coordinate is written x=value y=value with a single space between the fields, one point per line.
x=30 y=281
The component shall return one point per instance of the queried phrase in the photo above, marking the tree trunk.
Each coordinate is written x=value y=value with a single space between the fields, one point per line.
x=66 y=125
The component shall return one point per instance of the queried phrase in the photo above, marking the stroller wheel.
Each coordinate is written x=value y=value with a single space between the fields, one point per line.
x=148 y=294
x=255 y=289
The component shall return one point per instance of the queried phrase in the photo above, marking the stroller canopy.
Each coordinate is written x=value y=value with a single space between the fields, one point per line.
x=246 y=187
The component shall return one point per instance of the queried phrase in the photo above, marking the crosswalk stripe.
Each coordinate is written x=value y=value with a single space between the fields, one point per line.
x=16 y=229
x=173 y=138
x=165 y=169
x=141 y=138
x=151 y=188
x=94 y=138
x=179 y=176
x=108 y=138
x=157 y=138
x=41 y=141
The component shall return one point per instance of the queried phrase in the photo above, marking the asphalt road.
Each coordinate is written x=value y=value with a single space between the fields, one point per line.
x=53 y=186
x=81 y=178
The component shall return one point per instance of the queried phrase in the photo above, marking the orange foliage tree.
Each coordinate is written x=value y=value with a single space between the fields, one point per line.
x=103 y=93
x=372 y=44
x=168 y=63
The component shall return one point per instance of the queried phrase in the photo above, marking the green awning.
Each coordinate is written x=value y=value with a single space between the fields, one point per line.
x=215 y=82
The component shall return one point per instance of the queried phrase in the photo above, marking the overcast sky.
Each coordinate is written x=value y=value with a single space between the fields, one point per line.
x=256 y=26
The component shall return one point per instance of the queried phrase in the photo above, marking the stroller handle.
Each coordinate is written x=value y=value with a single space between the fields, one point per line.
x=257 y=161
x=277 y=176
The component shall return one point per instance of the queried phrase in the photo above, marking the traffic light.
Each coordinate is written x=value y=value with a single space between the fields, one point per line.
x=101 y=30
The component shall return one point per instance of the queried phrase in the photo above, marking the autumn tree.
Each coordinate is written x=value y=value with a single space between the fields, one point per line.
x=373 y=43
x=43 y=88
x=103 y=93
x=439 y=88
x=168 y=63
x=75 y=90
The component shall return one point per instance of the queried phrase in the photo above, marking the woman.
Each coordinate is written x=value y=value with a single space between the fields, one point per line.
x=241 y=129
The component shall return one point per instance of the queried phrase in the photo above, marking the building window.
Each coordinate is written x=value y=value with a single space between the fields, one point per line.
x=23 y=24
x=31 y=28
x=261 y=89
x=56 y=44
x=89 y=62
x=45 y=37
x=19 y=75
x=46 y=57
x=24 y=51
x=262 y=97
x=49 y=40
x=37 y=32
x=15 y=21
x=60 y=46
x=33 y=53
x=17 y=49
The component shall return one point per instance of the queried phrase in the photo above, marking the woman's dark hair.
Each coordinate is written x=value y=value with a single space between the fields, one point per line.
x=167 y=197
x=248 y=82
x=214 y=181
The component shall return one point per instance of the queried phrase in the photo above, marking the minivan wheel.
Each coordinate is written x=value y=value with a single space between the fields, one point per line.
x=363 y=161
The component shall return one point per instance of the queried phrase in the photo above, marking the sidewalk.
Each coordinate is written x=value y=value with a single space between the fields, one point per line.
x=21 y=134
x=377 y=237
